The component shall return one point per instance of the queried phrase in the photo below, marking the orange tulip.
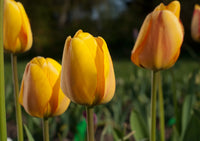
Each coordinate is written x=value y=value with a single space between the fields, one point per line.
x=16 y=28
x=40 y=94
x=195 y=26
x=87 y=76
x=160 y=38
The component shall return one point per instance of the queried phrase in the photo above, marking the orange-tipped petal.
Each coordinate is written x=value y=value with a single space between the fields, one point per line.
x=159 y=41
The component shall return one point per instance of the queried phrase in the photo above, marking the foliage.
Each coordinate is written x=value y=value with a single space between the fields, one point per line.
x=128 y=113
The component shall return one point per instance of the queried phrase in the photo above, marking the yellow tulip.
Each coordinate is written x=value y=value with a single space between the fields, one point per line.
x=160 y=38
x=87 y=75
x=195 y=26
x=16 y=28
x=40 y=94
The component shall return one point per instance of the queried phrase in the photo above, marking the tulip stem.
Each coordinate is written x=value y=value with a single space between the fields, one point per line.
x=153 y=105
x=3 y=129
x=161 y=108
x=45 y=129
x=90 y=123
x=16 y=94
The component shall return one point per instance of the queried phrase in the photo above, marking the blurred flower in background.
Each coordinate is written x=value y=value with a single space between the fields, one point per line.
x=195 y=25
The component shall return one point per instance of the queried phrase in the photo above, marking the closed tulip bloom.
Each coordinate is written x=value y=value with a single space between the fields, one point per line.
x=87 y=75
x=17 y=35
x=195 y=26
x=160 y=38
x=40 y=94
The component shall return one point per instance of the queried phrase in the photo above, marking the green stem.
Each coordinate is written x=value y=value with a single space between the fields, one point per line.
x=90 y=124
x=161 y=108
x=45 y=129
x=153 y=106
x=3 y=129
x=16 y=93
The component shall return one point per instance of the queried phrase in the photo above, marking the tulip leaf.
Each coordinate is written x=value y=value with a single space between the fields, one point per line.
x=28 y=133
x=192 y=131
x=138 y=125
x=187 y=112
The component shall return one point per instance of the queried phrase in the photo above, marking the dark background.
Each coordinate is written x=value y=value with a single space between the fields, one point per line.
x=117 y=21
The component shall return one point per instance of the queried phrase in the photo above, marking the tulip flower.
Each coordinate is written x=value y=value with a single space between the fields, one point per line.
x=160 y=38
x=16 y=28
x=195 y=26
x=40 y=94
x=87 y=76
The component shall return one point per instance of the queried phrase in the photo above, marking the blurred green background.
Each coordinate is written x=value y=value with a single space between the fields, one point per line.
x=118 y=22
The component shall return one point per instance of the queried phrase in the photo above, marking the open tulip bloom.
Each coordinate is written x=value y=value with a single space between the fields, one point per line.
x=87 y=76
x=158 y=47
x=40 y=94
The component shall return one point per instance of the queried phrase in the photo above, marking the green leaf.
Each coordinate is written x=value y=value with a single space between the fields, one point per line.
x=192 y=131
x=187 y=112
x=175 y=134
x=138 y=125
x=28 y=133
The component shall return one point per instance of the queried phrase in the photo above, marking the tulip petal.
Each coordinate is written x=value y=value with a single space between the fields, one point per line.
x=21 y=93
x=89 y=40
x=109 y=77
x=174 y=7
x=53 y=71
x=58 y=102
x=156 y=50
x=36 y=90
x=99 y=62
x=195 y=25
x=79 y=74
x=25 y=34
x=10 y=30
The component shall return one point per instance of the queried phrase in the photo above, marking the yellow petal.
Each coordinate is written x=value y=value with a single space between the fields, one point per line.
x=99 y=63
x=79 y=74
x=21 y=93
x=11 y=26
x=174 y=7
x=53 y=71
x=58 y=102
x=36 y=91
x=109 y=76
x=25 y=35
x=89 y=40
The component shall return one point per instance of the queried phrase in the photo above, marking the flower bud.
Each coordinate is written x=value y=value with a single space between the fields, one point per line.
x=195 y=26
x=40 y=94
x=160 y=38
x=17 y=35
x=87 y=76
